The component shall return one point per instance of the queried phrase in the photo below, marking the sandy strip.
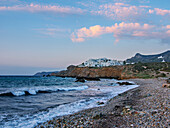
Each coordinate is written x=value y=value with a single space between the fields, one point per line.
x=145 y=106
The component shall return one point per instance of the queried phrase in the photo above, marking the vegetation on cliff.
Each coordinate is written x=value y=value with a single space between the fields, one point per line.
x=146 y=70
x=138 y=70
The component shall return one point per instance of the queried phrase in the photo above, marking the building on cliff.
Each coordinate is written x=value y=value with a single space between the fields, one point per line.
x=102 y=62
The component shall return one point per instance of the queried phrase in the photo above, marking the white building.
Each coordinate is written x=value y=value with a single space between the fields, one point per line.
x=160 y=57
x=102 y=62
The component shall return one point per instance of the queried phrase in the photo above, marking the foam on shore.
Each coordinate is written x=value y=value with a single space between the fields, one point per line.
x=36 y=90
x=66 y=109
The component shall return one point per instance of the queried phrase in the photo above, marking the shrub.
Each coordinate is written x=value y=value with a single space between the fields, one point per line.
x=161 y=75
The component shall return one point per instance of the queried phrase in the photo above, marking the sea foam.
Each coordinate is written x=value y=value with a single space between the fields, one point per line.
x=36 y=90
x=61 y=110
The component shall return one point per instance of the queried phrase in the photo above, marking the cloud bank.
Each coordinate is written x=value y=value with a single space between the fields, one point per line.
x=42 y=8
x=120 y=11
x=123 y=31
x=130 y=16
x=126 y=12
x=159 y=11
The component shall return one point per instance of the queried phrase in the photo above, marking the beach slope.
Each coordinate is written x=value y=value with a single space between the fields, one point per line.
x=144 y=106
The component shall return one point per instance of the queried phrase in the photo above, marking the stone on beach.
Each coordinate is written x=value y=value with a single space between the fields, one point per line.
x=100 y=103
x=125 y=83
x=145 y=106
x=166 y=85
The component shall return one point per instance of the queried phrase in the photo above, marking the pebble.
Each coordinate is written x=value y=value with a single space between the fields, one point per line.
x=151 y=109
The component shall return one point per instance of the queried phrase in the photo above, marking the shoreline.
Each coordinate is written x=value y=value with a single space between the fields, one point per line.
x=124 y=110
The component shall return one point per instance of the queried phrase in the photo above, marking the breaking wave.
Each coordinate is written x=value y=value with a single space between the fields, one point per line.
x=32 y=121
x=34 y=91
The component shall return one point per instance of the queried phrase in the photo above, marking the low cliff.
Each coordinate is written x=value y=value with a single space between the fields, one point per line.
x=139 y=70
x=105 y=72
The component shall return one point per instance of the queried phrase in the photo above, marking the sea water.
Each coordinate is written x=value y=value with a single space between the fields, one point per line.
x=28 y=101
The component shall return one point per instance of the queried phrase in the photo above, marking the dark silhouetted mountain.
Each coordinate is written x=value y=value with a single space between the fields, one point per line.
x=45 y=73
x=162 y=57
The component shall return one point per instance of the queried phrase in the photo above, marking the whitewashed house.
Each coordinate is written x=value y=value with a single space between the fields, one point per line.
x=102 y=62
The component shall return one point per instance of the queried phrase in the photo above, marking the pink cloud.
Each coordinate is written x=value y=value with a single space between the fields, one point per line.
x=139 y=33
x=168 y=31
x=42 y=8
x=151 y=11
x=3 y=8
x=82 y=33
x=121 y=11
x=119 y=4
x=168 y=26
x=127 y=12
x=122 y=31
x=159 y=11
x=74 y=39
x=162 y=12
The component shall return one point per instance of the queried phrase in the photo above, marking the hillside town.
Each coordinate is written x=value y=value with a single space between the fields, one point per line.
x=101 y=62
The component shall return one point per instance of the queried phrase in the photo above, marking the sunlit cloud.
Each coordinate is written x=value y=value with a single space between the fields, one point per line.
x=43 y=8
x=159 y=11
x=168 y=26
x=120 y=4
x=121 y=11
x=82 y=33
x=123 y=31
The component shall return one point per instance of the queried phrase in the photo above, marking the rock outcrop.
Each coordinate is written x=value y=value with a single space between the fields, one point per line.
x=80 y=80
x=86 y=72
x=40 y=74
x=139 y=70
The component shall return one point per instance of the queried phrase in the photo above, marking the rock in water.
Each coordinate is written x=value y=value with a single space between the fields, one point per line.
x=125 y=83
x=80 y=80
x=92 y=79
x=100 y=103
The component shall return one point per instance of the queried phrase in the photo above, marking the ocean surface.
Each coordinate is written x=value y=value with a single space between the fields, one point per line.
x=27 y=101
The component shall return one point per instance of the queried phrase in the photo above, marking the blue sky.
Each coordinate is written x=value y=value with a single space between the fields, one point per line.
x=52 y=34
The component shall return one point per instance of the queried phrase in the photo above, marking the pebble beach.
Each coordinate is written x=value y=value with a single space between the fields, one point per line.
x=145 y=106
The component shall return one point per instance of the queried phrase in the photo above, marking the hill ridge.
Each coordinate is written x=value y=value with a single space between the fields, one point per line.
x=161 y=57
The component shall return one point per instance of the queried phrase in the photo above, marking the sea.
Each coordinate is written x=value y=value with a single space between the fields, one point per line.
x=26 y=101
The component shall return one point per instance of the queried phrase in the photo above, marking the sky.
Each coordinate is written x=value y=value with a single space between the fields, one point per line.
x=49 y=35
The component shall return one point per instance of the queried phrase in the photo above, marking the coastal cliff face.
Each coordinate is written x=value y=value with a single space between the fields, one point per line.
x=104 y=72
x=139 y=70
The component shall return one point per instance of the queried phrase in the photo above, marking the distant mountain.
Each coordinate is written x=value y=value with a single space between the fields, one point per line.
x=44 y=73
x=162 y=57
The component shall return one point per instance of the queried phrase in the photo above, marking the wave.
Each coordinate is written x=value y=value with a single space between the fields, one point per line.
x=30 y=121
x=43 y=116
x=34 y=91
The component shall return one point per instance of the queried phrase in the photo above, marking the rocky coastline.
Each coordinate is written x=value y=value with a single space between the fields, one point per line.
x=91 y=73
x=144 y=106
x=120 y=72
